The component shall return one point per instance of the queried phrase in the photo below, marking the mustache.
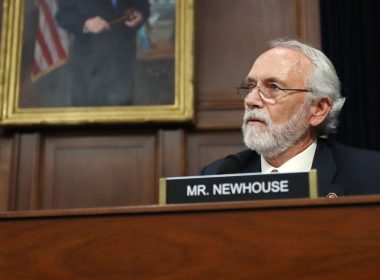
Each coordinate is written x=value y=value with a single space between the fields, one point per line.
x=257 y=114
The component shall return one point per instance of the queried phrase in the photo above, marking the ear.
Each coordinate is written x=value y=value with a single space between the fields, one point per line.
x=319 y=111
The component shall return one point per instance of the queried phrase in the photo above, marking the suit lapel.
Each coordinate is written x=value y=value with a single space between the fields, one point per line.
x=324 y=162
x=250 y=161
x=326 y=167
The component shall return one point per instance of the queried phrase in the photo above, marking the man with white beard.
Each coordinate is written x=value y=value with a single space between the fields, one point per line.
x=292 y=101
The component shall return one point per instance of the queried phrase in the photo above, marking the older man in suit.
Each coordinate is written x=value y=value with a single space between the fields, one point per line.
x=103 y=56
x=292 y=101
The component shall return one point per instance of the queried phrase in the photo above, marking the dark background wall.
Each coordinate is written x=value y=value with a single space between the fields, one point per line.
x=87 y=166
x=350 y=31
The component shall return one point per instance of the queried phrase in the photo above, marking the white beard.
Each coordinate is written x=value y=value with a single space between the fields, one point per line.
x=278 y=137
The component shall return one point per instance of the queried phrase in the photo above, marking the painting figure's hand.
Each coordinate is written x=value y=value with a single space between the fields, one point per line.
x=133 y=18
x=96 y=25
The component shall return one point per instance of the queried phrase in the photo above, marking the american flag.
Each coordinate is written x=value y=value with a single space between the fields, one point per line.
x=52 y=42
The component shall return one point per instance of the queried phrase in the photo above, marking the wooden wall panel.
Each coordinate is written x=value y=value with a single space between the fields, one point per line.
x=309 y=22
x=230 y=35
x=172 y=153
x=27 y=152
x=203 y=148
x=6 y=171
x=98 y=171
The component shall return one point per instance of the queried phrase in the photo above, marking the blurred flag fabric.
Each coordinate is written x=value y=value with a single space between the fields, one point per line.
x=52 y=42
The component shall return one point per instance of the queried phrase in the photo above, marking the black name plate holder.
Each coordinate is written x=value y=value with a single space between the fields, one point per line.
x=238 y=187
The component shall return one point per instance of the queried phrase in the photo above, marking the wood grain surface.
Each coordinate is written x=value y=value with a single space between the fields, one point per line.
x=307 y=239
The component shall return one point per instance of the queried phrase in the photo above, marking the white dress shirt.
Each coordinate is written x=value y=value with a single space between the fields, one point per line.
x=299 y=163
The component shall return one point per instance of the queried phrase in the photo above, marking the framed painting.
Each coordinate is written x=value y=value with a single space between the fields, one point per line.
x=104 y=61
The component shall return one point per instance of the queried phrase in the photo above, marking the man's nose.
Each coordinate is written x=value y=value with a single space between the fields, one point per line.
x=253 y=99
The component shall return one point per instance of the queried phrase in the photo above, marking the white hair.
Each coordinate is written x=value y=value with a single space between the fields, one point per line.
x=322 y=82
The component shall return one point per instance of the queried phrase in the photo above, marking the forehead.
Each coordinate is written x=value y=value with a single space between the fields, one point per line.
x=283 y=64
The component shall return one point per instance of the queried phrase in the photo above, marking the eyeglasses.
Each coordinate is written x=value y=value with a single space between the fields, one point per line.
x=270 y=93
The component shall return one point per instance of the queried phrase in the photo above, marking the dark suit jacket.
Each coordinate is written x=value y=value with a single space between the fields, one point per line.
x=342 y=170
x=102 y=65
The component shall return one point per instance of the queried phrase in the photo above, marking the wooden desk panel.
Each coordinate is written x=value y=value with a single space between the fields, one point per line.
x=290 y=239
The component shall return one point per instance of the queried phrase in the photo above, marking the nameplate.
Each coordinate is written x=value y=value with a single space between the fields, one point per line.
x=238 y=187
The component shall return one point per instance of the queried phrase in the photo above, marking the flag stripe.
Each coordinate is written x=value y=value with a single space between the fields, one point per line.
x=52 y=28
x=39 y=62
x=51 y=44
x=44 y=47
x=36 y=68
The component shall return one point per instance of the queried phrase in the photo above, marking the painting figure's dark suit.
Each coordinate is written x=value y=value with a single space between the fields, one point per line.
x=341 y=170
x=103 y=64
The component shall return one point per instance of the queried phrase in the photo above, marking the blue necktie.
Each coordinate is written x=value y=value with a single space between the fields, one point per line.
x=114 y=3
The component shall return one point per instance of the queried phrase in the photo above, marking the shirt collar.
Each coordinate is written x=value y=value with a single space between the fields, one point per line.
x=299 y=163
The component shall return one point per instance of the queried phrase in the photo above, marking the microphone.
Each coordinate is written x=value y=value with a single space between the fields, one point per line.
x=231 y=164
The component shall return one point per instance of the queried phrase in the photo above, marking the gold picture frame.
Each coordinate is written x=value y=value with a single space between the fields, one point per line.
x=11 y=58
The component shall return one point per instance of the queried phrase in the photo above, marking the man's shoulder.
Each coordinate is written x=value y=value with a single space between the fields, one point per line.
x=355 y=162
x=244 y=157
x=356 y=169
x=342 y=151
